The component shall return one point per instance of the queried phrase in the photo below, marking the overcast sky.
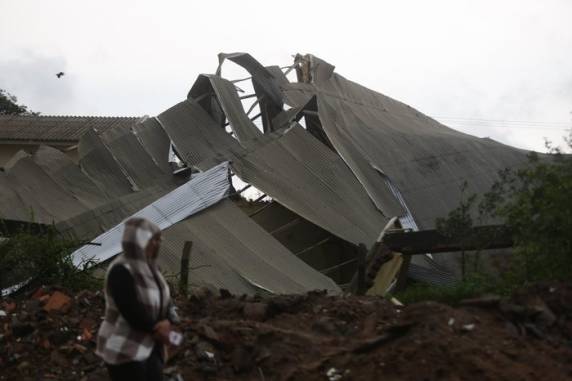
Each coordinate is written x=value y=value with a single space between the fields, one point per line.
x=499 y=68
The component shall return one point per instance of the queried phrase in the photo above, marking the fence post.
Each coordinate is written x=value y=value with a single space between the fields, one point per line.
x=185 y=261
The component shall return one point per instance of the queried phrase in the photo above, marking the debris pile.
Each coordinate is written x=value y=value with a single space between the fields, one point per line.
x=50 y=335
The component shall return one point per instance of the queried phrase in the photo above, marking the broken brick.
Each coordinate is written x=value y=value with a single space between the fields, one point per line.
x=86 y=335
x=39 y=293
x=58 y=302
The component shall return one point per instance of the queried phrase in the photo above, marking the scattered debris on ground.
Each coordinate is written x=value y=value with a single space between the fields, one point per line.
x=50 y=335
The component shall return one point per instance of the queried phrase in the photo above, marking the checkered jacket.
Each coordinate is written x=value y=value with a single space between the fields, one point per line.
x=117 y=341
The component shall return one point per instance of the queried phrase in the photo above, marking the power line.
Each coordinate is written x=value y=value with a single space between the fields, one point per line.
x=499 y=123
x=502 y=120
x=453 y=124
x=515 y=124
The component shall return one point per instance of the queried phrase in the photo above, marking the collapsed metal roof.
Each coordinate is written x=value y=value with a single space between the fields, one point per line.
x=340 y=156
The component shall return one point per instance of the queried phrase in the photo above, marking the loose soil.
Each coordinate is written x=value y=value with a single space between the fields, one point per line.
x=308 y=337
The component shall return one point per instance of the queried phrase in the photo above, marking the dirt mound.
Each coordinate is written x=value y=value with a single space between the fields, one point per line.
x=309 y=337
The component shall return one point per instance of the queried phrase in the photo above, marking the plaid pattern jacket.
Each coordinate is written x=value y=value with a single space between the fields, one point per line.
x=117 y=341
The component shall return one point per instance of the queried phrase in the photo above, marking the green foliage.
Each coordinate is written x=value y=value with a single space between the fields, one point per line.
x=458 y=225
x=43 y=258
x=535 y=203
x=9 y=105
x=473 y=285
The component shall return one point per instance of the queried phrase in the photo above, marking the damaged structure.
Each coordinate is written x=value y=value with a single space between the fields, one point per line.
x=336 y=164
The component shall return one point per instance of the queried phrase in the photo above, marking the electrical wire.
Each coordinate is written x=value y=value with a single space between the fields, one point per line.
x=503 y=123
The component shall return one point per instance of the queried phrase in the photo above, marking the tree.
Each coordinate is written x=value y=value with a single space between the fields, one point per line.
x=9 y=105
x=458 y=225
x=535 y=203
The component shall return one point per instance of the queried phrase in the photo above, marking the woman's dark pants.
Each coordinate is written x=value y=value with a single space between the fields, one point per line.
x=148 y=370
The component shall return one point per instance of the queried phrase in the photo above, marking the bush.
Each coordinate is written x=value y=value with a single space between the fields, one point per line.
x=42 y=259
x=473 y=285
x=535 y=204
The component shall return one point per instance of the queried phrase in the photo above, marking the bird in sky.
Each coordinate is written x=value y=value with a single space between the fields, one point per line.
x=60 y=74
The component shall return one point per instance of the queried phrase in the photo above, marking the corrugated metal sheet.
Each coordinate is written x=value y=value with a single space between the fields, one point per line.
x=66 y=173
x=339 y=185
x=132 y=156
x=302 y=174
x=229 y=249
x=95 y=221
x=252 y=258
x=34 y=183
x=195 y=135
x=57 y=129
x=101 y=166
x=155 y=141
x=49 y=188
x=425 y=261
x=31 y=194
x=201 y=192
x=426 y=160
x=225 y=92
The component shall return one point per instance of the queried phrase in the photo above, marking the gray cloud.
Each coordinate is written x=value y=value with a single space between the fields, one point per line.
x=507 y=60
x=32 y=78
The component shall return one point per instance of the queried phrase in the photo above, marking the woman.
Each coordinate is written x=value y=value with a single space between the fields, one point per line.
x=135 y=328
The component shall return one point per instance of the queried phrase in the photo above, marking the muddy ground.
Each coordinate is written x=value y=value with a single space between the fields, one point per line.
x=308 y=337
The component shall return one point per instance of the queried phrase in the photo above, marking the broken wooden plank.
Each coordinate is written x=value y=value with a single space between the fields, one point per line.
x=485 y=237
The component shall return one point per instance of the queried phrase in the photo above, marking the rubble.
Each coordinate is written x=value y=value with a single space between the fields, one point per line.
x=311 y=336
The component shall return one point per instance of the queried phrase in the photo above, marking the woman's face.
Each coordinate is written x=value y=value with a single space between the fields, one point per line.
x=152 y=248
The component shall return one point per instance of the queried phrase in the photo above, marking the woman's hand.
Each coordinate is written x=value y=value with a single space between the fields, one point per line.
x=161 y=331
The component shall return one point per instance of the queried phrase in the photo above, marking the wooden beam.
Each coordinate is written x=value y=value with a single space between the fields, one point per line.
x=256 y=117
x=361 y=282
x=261 y=209
x=432 y=241
x=243 y=189
x=321 y=242
x=247 y=96
x=253 y=105
x=260 y=198
x=328 y=270
x=310 y=112
x=287 y=225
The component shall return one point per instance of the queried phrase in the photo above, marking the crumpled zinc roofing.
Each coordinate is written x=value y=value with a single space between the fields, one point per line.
x=334 y=173
x=290 y=165
x=425 y=159
x=229 y=249
x=57 y=129
x=199 y=193
x=232 y=251
x=376 y=137
x=48 y=187
x=111 y=184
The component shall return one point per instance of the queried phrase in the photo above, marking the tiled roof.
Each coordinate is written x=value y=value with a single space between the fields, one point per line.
x=56 y=129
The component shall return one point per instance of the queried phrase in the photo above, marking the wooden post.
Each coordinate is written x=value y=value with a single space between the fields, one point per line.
x=185 y=262
x=361 y=287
